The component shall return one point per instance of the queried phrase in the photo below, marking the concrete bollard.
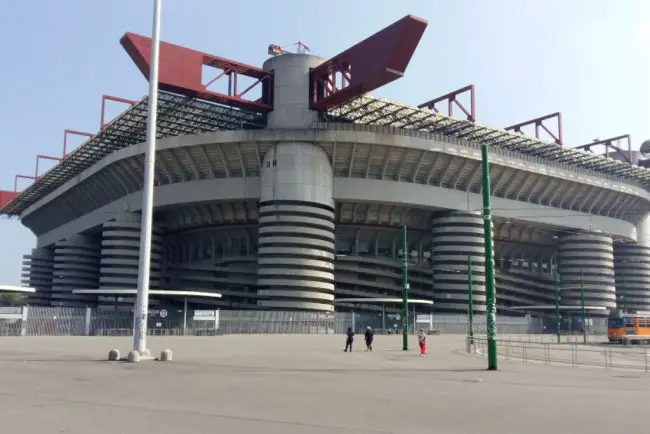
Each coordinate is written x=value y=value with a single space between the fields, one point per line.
x=133 y=357
x=166 y=356
x=113 y=355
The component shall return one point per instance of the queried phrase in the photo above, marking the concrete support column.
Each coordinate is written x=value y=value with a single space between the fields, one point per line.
x=76 y=266
x=457 y=235
x=588 y=257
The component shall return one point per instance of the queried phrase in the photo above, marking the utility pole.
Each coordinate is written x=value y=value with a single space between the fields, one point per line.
x=582 y=305
x=405 y=292
x=558 y=317
x=489 y=263
x=470 y=301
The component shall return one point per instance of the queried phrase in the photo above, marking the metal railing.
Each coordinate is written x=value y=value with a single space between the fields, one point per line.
x=571 y=352
x=62 y=321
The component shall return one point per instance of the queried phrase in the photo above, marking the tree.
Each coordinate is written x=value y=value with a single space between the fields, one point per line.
x=10 y=299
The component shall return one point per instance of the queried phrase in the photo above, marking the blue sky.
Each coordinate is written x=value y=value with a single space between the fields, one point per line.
x=589 y=59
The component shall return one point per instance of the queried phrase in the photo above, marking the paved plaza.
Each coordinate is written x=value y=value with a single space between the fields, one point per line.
x=304 y=384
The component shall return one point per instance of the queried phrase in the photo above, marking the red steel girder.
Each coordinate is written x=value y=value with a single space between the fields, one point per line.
x=103 y=123
x=180 y=71
x=17 y=177
x=40 y=157
x=7 y=196
x=452 y=99
x=368 y=65
x=66 y=133
x=609 y=145
x=539 y=123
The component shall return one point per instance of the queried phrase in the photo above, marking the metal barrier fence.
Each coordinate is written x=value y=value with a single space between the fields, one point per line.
x=571 y=352
x=60 y=321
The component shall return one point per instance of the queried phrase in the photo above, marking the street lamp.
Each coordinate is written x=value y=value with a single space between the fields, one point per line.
x=405 y=291
x=144 y=265
x=470 y=303
x=558 y=317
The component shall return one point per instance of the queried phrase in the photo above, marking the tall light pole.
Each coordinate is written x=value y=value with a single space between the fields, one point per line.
x=558 y=317
x=489 y=263
x=405 y=292
x=582 y=308
x=144 y=265
x=470 y=301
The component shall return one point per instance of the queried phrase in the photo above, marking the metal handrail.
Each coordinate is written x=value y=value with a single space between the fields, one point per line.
x=570 y=353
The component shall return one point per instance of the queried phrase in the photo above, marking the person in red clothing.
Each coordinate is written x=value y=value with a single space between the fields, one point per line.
x=422 y=340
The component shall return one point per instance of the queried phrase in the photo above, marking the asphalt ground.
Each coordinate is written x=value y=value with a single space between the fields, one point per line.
x=304 y=384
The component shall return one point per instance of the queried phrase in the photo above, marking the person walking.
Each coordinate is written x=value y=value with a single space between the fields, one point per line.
x=349 y=339
x=369 y=336
x=422 y=340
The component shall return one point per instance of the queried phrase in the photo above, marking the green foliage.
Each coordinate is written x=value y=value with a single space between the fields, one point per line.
x=11 y=299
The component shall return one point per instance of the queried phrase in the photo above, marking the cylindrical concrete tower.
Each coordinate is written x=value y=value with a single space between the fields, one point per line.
x=296 y=218
x=37 y=273
x=296 y=229
x=632 y=273
x=457 y=235
x=632 y=269
x=291 y=90
x=121 y=252
x=590 y=258
x=76 y=266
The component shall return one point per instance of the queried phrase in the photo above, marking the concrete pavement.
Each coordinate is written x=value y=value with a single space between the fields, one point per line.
x=303 y=384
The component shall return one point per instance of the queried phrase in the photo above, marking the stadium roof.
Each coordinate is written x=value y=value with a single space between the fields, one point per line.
x=373 y=111
x=181 y=115
x=177 y=115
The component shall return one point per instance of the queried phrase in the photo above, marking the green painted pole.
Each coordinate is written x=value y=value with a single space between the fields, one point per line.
x=405 y=292
x=623 y=309
x=470 y=301
x=582 y=304
x=489 y=263
x=558 y=317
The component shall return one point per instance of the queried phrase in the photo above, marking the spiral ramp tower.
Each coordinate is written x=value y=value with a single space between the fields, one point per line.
x=457 y=237
x=632 y=274
x=120 y=253
x=76 y=266
x=38 y=267
x=296 y=216
x=296 y=229
x=587 y=260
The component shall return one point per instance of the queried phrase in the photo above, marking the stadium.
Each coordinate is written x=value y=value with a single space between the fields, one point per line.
x=287 y=190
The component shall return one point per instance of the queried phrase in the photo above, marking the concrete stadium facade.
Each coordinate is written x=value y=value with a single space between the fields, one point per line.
x=308 y=210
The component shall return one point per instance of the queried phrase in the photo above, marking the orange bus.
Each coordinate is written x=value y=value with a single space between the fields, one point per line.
x=629 y=327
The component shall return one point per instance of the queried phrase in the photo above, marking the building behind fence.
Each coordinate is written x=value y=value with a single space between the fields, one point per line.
x=60 y=321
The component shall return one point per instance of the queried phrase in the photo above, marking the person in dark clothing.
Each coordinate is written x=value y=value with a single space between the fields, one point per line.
x=349 y=339
x=369 y=335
